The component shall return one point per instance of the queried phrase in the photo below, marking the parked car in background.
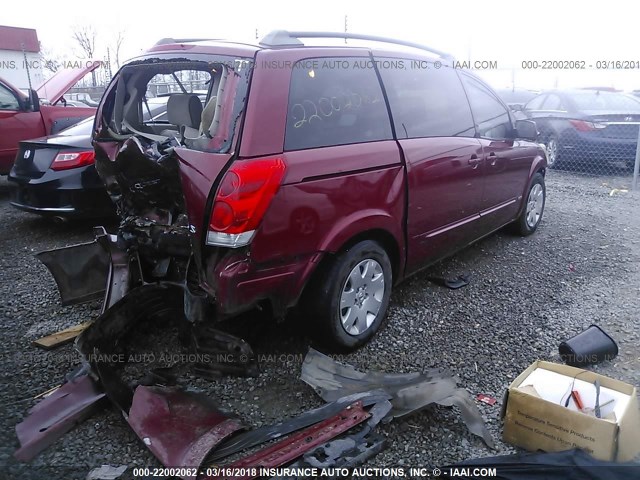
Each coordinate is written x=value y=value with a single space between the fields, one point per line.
x=40 y=112
x=85 y=98
x=389 y=182
x=516 y=98
x=594 y=127
x=55 y=176
x=73 y=103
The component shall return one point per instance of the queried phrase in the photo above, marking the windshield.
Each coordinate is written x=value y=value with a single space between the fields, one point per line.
x=605 y=101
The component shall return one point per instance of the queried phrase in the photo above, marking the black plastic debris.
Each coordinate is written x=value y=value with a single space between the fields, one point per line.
x=588 y=348
x=452 y=283
x=351 y=450
x=409 y=392
x=245 y=440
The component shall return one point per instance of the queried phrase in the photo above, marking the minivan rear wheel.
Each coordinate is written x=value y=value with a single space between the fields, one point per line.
x=348 y=301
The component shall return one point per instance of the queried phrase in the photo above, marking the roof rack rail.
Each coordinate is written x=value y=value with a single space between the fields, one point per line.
x=284 y=38
x=168 y=40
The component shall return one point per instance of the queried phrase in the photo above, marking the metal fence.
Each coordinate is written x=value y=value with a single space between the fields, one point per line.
x=592 y=131
x=609 y=148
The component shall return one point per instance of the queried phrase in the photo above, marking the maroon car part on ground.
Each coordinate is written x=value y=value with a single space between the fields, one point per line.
x=180 y=428
x=251 y=438
x=292 y=447
x=54 y=416
x=185 y=429
x=350 y=450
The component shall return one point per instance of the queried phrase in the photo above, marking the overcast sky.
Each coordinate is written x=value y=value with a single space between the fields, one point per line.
x=507 y=32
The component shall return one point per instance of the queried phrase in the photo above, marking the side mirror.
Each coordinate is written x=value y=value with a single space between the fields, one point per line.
x=34 y=101
x=526 y=129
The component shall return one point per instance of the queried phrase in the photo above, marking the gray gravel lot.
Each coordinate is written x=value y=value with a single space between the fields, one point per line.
x=526 y=295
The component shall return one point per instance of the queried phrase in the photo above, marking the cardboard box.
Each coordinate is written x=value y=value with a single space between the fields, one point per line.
x=533 y=423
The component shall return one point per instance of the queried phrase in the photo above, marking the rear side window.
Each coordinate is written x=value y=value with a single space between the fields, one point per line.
x=491 y=117
x=552 y=102
x=536 y=103
x=335 y=101
x=597 y=100
x=426 y=101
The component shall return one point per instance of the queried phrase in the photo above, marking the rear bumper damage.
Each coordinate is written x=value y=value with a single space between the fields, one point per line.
x=187 y=430
x=241 y=284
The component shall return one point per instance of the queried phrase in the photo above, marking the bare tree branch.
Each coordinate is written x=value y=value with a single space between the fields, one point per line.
x=50 y=60
x=85 y=37
x=118 y=45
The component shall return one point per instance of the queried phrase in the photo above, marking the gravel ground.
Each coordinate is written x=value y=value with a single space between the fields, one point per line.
x=525 y=296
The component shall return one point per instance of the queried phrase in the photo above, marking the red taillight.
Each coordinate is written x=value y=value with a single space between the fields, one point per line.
x=63 y=161
x=244 y=195
x=583 y=126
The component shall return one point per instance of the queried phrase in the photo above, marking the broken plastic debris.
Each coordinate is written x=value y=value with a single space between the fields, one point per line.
x=351 y=450
x=54 y=416
x=296 y=445
x=452 y=283
x=409 y=392
x=106 y=472
x=486 y=399
x=615 y=191
x=245 y=440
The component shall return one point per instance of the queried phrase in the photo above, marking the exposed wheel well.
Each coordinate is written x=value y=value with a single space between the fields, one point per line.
x=385 y=239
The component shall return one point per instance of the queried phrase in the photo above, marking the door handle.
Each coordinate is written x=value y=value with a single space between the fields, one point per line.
x=474 y=161
x=493 y=159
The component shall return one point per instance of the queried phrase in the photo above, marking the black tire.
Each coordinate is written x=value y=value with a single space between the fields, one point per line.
x=554 y=158
x=524 y=225
x=323 y=297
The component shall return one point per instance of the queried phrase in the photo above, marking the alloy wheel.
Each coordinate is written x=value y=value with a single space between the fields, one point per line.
x=535 y=203
x=361 y=297
x=552 y=151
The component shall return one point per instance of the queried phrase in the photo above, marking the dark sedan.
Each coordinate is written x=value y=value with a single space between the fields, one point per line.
x=55 y=176
x=594 y=127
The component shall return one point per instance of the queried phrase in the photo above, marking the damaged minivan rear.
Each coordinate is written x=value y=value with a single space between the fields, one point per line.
x=211 y=203
x=285 y=175
x=161 y=172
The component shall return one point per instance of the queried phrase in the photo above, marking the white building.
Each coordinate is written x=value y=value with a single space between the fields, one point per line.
x=20 y=57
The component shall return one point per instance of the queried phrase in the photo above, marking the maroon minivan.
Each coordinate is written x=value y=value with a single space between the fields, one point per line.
x=310 y=176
